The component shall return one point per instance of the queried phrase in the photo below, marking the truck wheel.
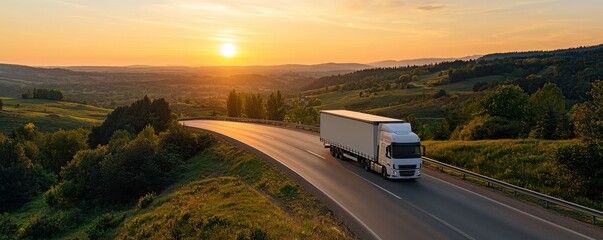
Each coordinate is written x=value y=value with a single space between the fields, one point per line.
x=383 y=173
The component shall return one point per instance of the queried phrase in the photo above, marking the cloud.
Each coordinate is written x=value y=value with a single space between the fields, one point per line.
x=430 y=8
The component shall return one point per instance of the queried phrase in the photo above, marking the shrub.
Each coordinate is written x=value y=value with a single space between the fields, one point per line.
x=8 y=227
x=102 y=224
x=585 y=162
x=259 y=234
x=145 y=200
x=39 y=227
x=487 y=127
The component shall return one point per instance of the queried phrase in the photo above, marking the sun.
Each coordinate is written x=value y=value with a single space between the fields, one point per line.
x=228 y=50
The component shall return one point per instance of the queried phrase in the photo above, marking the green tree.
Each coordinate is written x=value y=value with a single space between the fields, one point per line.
x=275 y=107
x=133 y=119
x=588 y=117
x=585 y=160
x=26 y=132
x=234 y=104
x=302 y=113
x=62 y=145
x=20 y=177
x=507 y=101
x=254 y=106
x=547 y=108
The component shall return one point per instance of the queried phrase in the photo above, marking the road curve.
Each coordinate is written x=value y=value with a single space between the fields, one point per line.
x=436 y=206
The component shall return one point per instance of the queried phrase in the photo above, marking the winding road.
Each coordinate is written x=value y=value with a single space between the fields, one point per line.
x=436 y=206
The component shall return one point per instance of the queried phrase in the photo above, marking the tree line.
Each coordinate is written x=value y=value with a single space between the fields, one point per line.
x=276 y=108
x=42 y=93
x=572 y=71
x=252 y=106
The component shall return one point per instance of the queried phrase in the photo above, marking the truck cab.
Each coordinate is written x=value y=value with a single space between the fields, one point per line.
x=399 y=154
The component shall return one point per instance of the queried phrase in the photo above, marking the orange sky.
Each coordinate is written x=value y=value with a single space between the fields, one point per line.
x=186 y=32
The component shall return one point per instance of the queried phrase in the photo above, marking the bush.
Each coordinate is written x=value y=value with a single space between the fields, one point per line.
x=102 y=224
x=487 y=127
x=145 y=200
x=8 y=227
x=585 y=162
x=183 y=141
x=39 y=227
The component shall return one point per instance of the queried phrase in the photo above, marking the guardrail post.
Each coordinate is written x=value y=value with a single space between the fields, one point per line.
x=546 y=204
x=594 y=220
x=464 y=178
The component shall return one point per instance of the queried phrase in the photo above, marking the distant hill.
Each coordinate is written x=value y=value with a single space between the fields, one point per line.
x=227 y=70
x=106 y=85
x=539 y=53
x=419 y=61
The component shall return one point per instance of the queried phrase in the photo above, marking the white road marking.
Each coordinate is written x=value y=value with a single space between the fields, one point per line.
x=467 y=236
x=331 y=197
x=268 y=136
x=315 y=154
x=515 y=209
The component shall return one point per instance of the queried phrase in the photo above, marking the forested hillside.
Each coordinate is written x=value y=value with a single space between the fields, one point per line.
x=572 y=71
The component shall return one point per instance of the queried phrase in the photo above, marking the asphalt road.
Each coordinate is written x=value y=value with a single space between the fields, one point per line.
x=435 y=206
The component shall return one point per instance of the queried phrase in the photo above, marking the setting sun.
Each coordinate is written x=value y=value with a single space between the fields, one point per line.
x=228 y=50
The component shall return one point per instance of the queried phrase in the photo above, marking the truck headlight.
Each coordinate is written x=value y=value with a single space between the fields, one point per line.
x=394 y=172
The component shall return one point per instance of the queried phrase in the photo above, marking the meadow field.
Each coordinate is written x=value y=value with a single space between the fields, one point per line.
x=49 y=115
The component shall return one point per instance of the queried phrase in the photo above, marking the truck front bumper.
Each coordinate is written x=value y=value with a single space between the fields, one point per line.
x=405 y=174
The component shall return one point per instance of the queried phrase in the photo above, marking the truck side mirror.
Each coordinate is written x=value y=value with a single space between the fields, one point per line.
x=423 y=148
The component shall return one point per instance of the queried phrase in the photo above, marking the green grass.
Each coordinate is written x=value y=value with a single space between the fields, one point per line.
x=222 y=193
x=226 y=192
x=526 y=163
x=49 y=115
x=398 y=103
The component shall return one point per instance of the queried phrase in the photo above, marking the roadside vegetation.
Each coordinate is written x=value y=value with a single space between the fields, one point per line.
x=152 y=178
x=569 y=169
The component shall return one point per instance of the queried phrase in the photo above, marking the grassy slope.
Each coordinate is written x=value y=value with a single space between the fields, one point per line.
x=526 y=163
x=49 y=115
x=398 y=103
x=221 y=193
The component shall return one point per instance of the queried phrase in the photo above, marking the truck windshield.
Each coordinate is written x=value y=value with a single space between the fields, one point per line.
x=406 y=150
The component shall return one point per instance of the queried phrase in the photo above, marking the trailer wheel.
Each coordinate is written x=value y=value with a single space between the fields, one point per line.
x=384 y=173
x=332 y=151
x=365 y=163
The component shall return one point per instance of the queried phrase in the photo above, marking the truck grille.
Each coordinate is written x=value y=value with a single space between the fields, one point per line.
x=406 y=173
x=407 y=166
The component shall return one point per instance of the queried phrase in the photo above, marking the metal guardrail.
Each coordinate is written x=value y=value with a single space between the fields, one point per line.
x=262 y=121
x=546 y=198
x=490 y=181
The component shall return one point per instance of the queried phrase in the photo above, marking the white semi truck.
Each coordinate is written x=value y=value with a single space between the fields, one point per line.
x=384 y=145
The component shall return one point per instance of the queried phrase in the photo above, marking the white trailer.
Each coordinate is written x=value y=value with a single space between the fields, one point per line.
x=385 y=145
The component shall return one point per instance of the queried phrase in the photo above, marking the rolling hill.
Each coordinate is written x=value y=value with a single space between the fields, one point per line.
x=49 y=115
